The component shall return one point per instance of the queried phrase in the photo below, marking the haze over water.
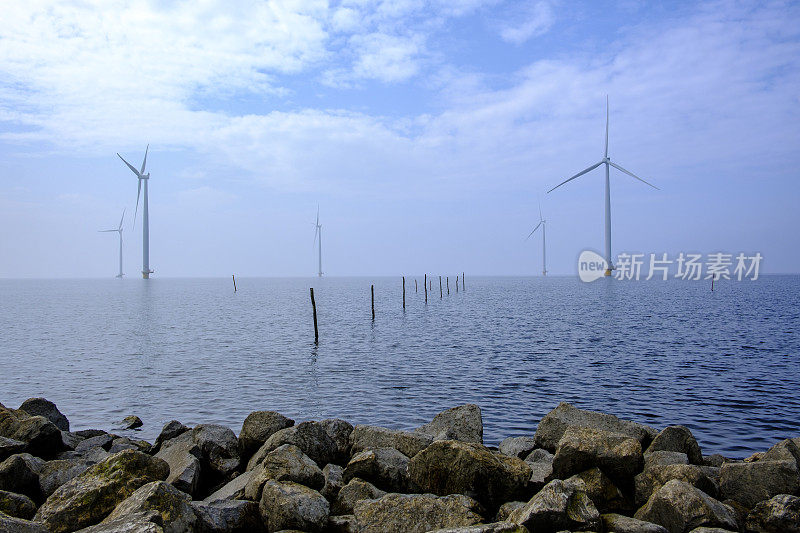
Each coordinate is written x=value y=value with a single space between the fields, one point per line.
x=723 y=363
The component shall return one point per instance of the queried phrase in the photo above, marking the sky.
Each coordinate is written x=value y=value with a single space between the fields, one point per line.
x=427 y=132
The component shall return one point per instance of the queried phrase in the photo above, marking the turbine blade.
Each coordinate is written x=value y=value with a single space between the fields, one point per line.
x=578 y=175
x=144 y=162
x=133 y=168
x=632 y=175
x=105 y=230
x=317 y=215
x=540 y=212
x=121 y=219
x=534 y=230
x=606 y=125
x=138 y=193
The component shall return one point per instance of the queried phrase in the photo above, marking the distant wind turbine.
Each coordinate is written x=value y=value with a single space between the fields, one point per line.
x=318 y=234
x=607 y=162
x=543 y=224
x=118 y=230
x=145 y=213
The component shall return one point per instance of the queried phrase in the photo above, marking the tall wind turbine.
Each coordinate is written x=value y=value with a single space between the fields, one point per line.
x=118 y=230
x=145 y=213
x=543 y=224
x=607 y=162
x=318 y=233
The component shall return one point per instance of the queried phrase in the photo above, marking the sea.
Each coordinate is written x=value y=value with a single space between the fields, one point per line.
x=725 y=363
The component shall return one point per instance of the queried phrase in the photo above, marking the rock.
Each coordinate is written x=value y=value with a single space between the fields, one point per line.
x=600 y=489
x=539 y=455
x=779 y=514
x=750 y=483
x=20 y=473
x=55 y=473
x=555 y=423
x=89 y=433
x=715 y=460
x=462 y=423
x=680 y=507
x=42 y=437
x=289 y=505
x=171 y=430
x=655 y=476
x=342 y=524
x=285 y=463
x=144 y=522
x=333 y=481
x=47 y=409
x=16 y=505
x=677 y=439
x=506 y=509
x=70 y=440
x=617 y=523
x=94 y=456
x=124 y=443
x=102 y=441
x=310 y=437
x=229 y=516
x=91 y=496
x=455 y=467
x=517 y=446
x=354 y=491
x=131 y=422
x=10 y=524
x=541 y=474
x=219 y=449
x=184 y=465
x=662 y=458
x=496 y=527
x=257 y=428
x=386 y=468
x=580 y=448
x=711 y=530
x=785 y=450
x=556 y=507
x=9 y=447
x=754 y=457
x=177 y=514
x=415 y=513
x=339 y=431
x=371 y=437
x=233 y=490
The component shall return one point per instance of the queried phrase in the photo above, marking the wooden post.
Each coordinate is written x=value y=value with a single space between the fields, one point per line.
x=714 y=276
x=415 y=285
x=456 y=284
x=234 y=282
x=430 y=284
x=440 y=287
x=448 y=285
x=314 y=307
x=463 y=287
x=372 y=290
x=404 y=292
x=425 y=286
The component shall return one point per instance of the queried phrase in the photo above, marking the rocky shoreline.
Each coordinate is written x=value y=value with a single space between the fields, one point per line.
x=580 y=471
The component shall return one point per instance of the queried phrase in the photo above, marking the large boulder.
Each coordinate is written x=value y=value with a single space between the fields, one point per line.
x=20 y=473
x=580 y=448
x=55 y=473
x=47 y=409
x=184 y=465
x=663 y=457
x=505 y=510
x=677 y=439
x=339 y=431
x=233 y=490
x=750 y=483
x=785 y=450
x=177 y=514
x=333 y=481
x=601 y=490
x=558 y=506
x=42 y=437
x=12 y=524
x=257 y=428
x=219 y=448
x=779 y=514
x=415 y=513
x=517 y=446
x=229 y=516
x=17 y=505
x=655 y=476
x=285 y=463
x=494 y=527
x=462 y=423
x=354 y=491
x=371 y=437
x=10 y=447
x=455 y=467
x=144 y=522
x=288 y=505
x=617 y=523
x=104 y=441
x=680 y=507
x=310 y=437
x=171 y=429
x=386 y=468
x=91 y=496
x=552 y=427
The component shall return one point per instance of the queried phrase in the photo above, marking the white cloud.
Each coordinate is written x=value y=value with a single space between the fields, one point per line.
x=536 y=20
x=388 y=58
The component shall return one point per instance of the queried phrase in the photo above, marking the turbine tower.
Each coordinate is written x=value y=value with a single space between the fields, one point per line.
x=118 y=230
x=608 y=163
x=543 y=224
x=145 y=213
x=318 y=233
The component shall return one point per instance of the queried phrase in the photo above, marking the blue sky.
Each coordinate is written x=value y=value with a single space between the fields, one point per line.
x=426 y=131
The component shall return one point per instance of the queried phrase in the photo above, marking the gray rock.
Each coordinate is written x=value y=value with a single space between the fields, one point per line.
x=680 y=507
x=91 y=496
x=601 y=490
x=47 y=409
x=131 y=422
x=779 y=514
x=233 y=490
x=655 y=476
x=10 y=524
x=310 y=437
x=229 y=516
x=124 y=443
x=552 y=427
x=177 y=514
x=750 y=483
x=354 y=491
x=462 y=423
x=517 y=446
x=89 y=433
x=182 y=456
x=102 y=441
x=539 y=455
x=55 y=473
x=20 y=473
x=339 y=431
x=677 y=439
x=70 y=440
x=386 y=468
x=371 y=437
x=617 y=523
x=785 y=450
x=506 y=509
x=288 y=505
x=219 y=449
x=171 y=429
x=495 y=527
x=144 y=522
x=94 y=455
x=716 y=459
x=342 y=524
x=662 y=458
x=556 y=507
x=333 y=481
x=455 y=467
x=9 y=447
x=257 y=428
x=711 y=530
x=42 y=437
x=581 y=448
x=16 y=505
x=415 y=513
x=285 y=463
x=541 y=474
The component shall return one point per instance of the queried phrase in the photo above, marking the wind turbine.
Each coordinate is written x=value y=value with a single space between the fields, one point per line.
x=318 y=233
x=543 y=224
x=118 y=230
x=607 y=162
x=145 y=213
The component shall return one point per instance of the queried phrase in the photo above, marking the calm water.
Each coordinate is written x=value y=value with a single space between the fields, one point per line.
x=723 y=363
